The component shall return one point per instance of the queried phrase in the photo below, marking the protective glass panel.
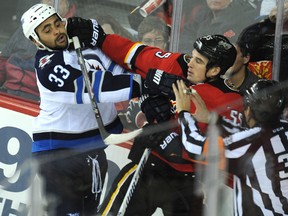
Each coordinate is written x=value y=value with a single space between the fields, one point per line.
x=172 y=28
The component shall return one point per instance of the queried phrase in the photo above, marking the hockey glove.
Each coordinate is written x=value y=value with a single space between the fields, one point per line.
x=166 y=143
x=170 y=146
x=156 y=107
x=142 y=142
x=89 y=32
x=160 y=82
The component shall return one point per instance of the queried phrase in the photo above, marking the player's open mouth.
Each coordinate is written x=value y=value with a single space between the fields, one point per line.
x=61 y=38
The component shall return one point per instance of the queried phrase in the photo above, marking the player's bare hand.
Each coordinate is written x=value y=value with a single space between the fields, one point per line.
x=183 y=101
x=201 y=113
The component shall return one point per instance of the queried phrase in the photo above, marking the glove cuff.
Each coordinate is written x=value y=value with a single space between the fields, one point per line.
x=101 y=40
x=100 y=35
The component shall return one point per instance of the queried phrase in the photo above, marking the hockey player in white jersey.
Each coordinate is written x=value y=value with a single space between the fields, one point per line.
x=66 y=141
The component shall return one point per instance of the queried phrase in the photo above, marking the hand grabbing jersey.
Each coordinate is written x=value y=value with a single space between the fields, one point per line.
x=89 y=32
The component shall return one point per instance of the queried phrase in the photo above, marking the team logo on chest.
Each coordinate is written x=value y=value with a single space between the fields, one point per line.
x=45 y=60
x=94 y=65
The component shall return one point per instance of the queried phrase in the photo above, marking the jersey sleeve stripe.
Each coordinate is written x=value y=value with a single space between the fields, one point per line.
x=131 y=87
x=97 y=84
x=79 y=90
x=111 y=67
x=130 y=54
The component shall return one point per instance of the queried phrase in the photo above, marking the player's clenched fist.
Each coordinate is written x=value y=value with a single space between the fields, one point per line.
x=89 y=32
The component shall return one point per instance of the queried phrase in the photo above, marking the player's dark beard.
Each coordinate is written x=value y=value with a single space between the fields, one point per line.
x=57 y=47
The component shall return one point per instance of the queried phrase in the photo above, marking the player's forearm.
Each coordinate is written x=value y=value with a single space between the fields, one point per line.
x=140 y=58
x=117 y=47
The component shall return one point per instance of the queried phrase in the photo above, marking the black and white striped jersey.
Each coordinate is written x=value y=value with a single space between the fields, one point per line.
x=258 y=158
x=66 y=118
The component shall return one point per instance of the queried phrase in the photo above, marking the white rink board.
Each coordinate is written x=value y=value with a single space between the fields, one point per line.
x=15 y=144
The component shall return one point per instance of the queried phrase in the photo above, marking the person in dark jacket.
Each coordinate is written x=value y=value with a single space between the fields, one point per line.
x=217 y=17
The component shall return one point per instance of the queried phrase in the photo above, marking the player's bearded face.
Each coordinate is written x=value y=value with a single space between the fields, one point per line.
x=52 y=33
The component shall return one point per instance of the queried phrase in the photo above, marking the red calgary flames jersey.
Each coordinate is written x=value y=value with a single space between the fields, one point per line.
x=139 y=58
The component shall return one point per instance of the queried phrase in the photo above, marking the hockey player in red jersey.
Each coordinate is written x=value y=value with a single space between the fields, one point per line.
x=212 y=56
x=167 y=181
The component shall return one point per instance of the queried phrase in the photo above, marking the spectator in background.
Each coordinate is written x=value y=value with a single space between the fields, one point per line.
x=18 y=57
x=259 y=39
x=153 y=31
x=218 y=17
x=255 y=46
x=239 y=77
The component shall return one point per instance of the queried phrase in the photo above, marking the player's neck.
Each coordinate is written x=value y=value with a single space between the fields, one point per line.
x=238 y=78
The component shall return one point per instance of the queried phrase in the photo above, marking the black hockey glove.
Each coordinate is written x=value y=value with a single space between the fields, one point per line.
x=166 y=143
x=89 y=32
x=156 y=107
x=169 y=146
x=149 y=140
x=160 y=82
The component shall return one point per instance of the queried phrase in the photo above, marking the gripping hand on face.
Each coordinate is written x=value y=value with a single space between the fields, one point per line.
x=89 y=32
x=160 y=82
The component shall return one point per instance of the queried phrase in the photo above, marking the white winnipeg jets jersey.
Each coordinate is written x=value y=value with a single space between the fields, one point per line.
x=66 y=118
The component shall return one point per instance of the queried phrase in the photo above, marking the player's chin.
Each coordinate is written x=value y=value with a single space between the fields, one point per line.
x=62 y=41
x=61 y=45
x=191 y=78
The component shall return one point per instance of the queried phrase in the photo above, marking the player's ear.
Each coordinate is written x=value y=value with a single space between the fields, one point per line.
x=214 y=71
x=247 y=58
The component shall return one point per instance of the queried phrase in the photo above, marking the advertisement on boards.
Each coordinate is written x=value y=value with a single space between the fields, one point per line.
x=17 y=172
